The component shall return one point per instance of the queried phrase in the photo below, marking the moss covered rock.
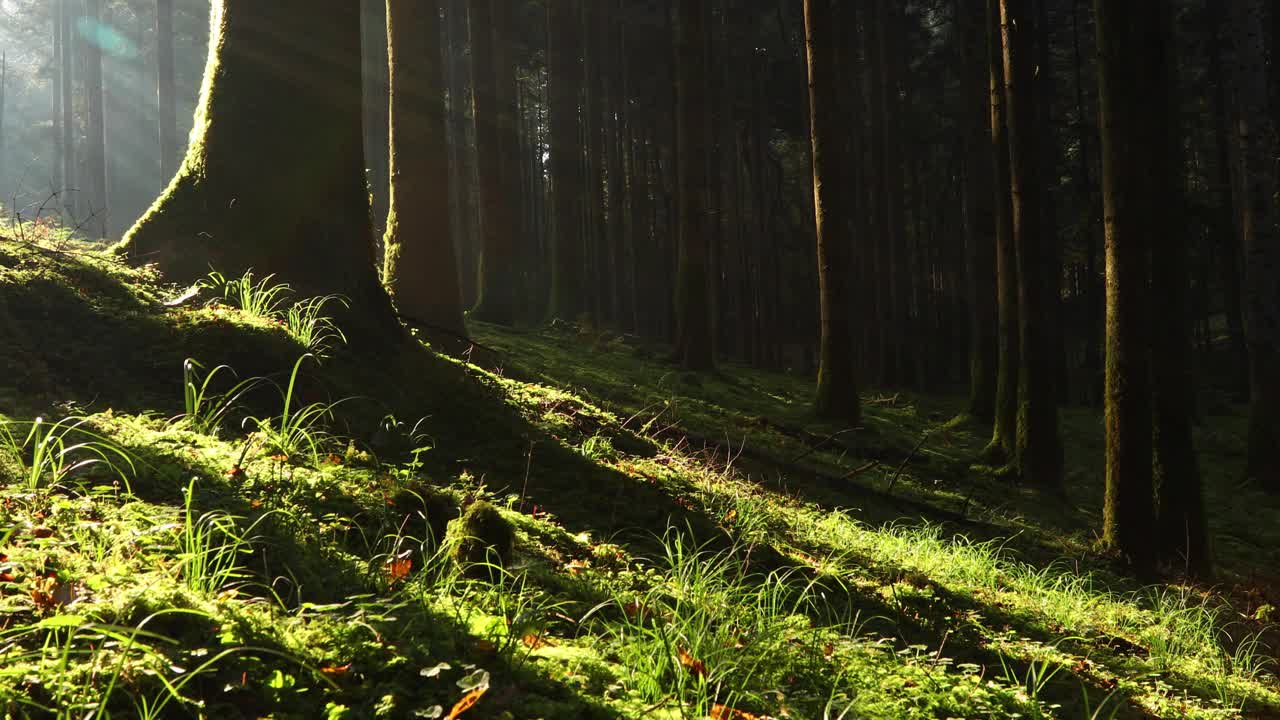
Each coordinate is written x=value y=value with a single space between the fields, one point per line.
x=481 y=539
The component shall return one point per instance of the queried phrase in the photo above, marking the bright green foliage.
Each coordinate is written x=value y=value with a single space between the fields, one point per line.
x=50 y=454
x=481 y=539
x=205 y=410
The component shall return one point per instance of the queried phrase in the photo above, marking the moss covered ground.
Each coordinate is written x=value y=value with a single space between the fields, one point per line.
x=685 y=545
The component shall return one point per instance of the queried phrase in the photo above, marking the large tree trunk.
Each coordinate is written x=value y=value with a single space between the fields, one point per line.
x=419 y=270
x=1038 y=451
x=96 y=127
x=976 y=196
x=837 y=397
x=166 y=92
x=1123 y=92
x=373 y=26
x=1255 y=133
x=274 y=177
x=694 y=344
x=563 y=77
x=494 y=115
x=1005 y=432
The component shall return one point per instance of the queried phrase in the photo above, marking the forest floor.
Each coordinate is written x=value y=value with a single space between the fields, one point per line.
x=686 y=545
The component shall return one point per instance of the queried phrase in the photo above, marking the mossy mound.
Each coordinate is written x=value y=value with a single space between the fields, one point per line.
x=482 y=540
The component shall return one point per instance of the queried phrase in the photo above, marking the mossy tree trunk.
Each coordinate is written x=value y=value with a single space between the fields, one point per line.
x=420 y=270
x=694 y=343
x=1005 y=431
x=1123 y=91
x=274 y=177
x=1038 y=450
x=837 y=396
x=493 y=113
x=1256 y=137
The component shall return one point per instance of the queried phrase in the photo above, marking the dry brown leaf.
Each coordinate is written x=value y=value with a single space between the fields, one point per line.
x=467 y=702
x=694 y=665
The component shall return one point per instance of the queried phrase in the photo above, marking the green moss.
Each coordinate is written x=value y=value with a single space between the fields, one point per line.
x=481 y=538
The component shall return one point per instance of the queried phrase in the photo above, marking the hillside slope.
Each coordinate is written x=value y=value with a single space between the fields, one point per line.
x=684 y=546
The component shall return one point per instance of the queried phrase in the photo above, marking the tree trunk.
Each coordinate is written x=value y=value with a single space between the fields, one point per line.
x=373 y=26
x=70 y=194
x=96 y=126
x=493 y=112
x=1255 y=133
x=166 y=91
x=274 y=177
x=563 y=79
x=1005 y=432
x=1123 y=92
x=694 y=345
x=1038 y=451
x=976 y=194
x=1183 y=536
x=837 y=397
x=420 y=270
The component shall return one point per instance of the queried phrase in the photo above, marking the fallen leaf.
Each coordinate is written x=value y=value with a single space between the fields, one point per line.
x=694 y=665
x=467 y=702
x=536 y=641
x=336 y=669
x=42 y=532
x=398 y=568
x=724 y=712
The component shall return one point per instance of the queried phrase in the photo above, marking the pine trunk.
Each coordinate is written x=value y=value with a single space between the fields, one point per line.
x=166 y=92
x=1005 y=432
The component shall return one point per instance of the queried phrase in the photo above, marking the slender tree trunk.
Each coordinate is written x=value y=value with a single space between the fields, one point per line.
x=1089 y=200
x=96 y=158
x=1183 y=536
x=465 y=221
x=70 y=189
x=837 y=396
x=1256 y=136
x=493 y=77
x=419 y=270
x=166 y=91
x=694 y=345
x=1123 y=90
x=4 y=84
x=1005 y=432
x=979 y=225
x=563 y=75
x=1038 y=452
x=274 y=181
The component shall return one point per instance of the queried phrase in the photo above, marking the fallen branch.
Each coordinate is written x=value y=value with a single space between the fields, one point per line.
x=906 y=460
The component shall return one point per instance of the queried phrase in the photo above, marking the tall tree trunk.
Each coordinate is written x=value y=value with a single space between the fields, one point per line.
x=419 y=269
x=70 y=189
x=465 y=223
x=1092 y=365
x=1183 y=536
x=4 y=84
x=694 y=344
x=373 y=27
x=96 y=125
x=1005 y=432
x=166 y=91
x=493 y=77
x=1256 y=136
x=837 y=397
x=976 y=195
x=563 y=76
x=1038 y=452
x=1123 y=90
x=274 y=180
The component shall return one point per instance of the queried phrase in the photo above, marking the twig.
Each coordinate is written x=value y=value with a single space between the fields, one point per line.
x=860 y=469
x=907 y=459
x=818 y=446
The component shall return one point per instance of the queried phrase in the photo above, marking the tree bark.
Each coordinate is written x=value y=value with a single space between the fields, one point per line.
x=1038 y=451
x=96 y=127
x=70 y=194
x=1255 y=134
x=837 y=395
x=419 y=270
x=694 y=345
x=1123 y=41
x=274 y=177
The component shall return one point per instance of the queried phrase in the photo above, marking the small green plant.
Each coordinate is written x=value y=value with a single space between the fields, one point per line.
x=210 y=547
x=205 y=410
x=261 y=299
x=50 y=453
x=481 y=540
x=296 y=431
x=311 y=327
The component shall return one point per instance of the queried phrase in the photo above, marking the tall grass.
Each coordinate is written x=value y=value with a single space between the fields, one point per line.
x=296 y=431
x=50 y=453
x=205 y=410
x=261 y=299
